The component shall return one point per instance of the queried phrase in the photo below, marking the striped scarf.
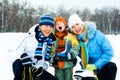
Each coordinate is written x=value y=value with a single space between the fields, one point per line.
x=84 y=51
x=61 y=40
x=41 y=39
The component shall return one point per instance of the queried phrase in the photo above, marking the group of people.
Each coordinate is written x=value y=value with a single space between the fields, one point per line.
x=59 y=42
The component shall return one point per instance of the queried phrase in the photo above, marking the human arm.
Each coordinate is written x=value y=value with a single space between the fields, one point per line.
x=91 y=67
x=15 y=51
x=106 y=50
x=75 y=48
x=72 y=47
x=64 y=53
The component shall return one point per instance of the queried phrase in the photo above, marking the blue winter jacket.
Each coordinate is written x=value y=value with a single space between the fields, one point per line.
x=99 y=48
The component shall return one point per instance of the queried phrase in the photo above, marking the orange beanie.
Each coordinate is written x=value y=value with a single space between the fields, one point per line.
x=61 y=19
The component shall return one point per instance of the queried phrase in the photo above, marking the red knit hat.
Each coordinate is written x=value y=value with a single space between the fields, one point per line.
x=61 y=19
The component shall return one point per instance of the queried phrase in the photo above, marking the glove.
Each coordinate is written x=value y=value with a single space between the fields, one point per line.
x=91 y=67
x=26 y=60
x=37 y=72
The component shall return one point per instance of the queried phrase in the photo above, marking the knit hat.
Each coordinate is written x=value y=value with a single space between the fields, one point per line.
x=74 y=18
x=46 y=19
x=61 y=19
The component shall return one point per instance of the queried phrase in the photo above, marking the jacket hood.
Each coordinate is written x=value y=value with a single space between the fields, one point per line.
x=91 y=29
x=32 y=29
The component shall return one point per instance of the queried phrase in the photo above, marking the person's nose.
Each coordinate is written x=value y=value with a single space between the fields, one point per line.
x=49 y=27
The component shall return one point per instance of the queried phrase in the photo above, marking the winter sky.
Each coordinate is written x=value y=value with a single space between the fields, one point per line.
x=92 y=4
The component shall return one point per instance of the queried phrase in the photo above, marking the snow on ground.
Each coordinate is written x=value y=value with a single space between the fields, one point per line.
x=10 y=41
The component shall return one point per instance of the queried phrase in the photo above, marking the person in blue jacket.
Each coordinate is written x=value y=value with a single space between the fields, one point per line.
x=96 y=46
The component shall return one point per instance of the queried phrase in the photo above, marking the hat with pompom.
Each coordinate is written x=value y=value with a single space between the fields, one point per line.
x=73 y=19
x=46 y=19
x=61 y=19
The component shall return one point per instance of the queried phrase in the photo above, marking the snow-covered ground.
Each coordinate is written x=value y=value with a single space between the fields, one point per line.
x=10 y=41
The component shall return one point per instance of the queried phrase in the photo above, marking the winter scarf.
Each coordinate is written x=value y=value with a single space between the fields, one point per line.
x=84 y=51
x=41 y=39
x=61 y=41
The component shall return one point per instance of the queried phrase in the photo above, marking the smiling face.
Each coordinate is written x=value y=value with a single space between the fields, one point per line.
x=77 y=28
x=59 y=26
x=46 y=30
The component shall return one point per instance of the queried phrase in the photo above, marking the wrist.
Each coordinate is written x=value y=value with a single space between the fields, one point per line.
x=91 y=67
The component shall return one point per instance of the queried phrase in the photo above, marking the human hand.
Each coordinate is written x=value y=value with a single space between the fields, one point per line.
x=26 y=60
x=91 y=67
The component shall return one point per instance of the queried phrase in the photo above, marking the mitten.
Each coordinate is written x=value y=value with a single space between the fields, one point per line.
x=91 y=67
x=26 y=60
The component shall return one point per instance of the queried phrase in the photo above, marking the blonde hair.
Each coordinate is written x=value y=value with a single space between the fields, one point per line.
x=84 y=31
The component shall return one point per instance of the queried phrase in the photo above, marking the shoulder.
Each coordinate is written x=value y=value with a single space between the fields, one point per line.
x=29 y=38
x=32 y=29
x=53 y=37
x=98 y=33
x=73 y=39
x=101 y=38
x=71 y=35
